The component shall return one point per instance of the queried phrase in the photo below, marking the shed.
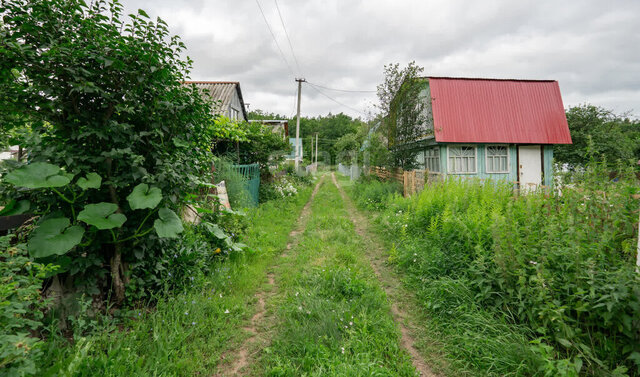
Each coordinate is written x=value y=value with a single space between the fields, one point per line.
x=226 y=95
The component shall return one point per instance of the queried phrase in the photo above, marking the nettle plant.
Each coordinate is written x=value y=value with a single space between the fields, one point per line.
x=56 y=234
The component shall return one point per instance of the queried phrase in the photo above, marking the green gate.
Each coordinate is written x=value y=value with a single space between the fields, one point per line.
x=251 y=175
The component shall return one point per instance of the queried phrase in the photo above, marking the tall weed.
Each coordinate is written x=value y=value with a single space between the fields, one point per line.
x=556 y=269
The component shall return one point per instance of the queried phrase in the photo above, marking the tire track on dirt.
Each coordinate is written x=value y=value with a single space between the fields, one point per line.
x=244 y=357
x=389 y=284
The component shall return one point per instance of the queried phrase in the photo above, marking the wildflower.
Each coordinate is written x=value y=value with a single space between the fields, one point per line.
x=217 y=251
x=169 y=273
x=342 y=348
x=220 y=295
x=300 y=308
x=533 y=262
x=350 y=323
x=186 y=313
x=193 y=302
x=227 y=311
x=297 y=294
x=139 y=314
x=193 y=323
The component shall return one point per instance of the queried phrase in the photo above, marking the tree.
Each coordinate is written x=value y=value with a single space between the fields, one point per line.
x=601 y=133
x=103 y=96
x=403 y=107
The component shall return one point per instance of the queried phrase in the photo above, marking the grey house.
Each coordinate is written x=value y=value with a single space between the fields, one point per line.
x=226 y=95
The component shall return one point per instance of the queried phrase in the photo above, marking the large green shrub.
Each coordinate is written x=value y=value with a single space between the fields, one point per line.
x=557 y=268
x=103 y=94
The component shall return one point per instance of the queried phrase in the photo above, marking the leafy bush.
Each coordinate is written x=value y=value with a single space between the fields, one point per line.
x=104 y=94
x=371 y=193
x=21 y=308
x=556 y=268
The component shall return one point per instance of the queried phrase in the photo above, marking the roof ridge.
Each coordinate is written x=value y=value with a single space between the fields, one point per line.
x=484 y=79
x=210 y=82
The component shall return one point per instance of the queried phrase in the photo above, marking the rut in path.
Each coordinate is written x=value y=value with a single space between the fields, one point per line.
x=243 y=358
x=399 y=315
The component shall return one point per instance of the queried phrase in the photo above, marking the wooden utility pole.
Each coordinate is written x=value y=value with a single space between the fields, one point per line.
x=297 y=154
x=316 y=150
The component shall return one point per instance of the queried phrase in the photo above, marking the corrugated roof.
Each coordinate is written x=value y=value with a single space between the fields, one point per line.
x=221 y=91
x=472 y=110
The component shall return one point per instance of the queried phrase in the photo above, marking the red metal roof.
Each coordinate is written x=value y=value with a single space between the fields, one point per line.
x=498 y=111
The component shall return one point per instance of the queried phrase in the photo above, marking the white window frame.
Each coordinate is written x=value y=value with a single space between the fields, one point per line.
x=486 y=159
x=475 y=150
x=437 y=156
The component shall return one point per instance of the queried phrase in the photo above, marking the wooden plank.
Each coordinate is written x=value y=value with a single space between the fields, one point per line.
x=12 y=222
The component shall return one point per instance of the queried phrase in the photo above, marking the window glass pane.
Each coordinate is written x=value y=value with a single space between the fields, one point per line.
x=497 y=159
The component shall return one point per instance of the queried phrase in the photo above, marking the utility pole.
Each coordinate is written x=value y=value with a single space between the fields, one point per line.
x=316 y=150
x=297 y=154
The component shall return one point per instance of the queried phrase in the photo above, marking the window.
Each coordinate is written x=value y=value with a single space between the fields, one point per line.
x=432 y=159
x=497 y=159
x=235 y=114
x=462 y=160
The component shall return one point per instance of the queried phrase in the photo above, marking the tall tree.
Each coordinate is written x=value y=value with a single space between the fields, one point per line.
x=403 y=107
x=601 y=133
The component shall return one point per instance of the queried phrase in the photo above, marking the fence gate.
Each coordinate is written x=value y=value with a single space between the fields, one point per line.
x=251 y=175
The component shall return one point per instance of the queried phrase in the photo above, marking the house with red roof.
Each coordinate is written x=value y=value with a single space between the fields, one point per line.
x=491 y=128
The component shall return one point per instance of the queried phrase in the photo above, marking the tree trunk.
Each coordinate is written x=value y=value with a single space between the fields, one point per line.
x=117 y=269
x=116 y=279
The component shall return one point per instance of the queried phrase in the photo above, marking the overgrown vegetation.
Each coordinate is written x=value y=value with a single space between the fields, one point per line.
x=540 y=284
x=188 y=331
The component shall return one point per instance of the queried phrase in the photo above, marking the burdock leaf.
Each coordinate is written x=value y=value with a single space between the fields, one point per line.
x=144 y=196
x=39 y=175
x=216 y=230
x=54 y=237
x=168 y=224
x=93 y=180
x=102 y=216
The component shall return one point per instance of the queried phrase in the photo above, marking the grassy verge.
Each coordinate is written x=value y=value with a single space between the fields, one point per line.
x=185 y=333
x=330 y=316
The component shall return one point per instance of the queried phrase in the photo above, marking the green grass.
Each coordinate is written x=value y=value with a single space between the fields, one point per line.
x=330 y=316
x=185 y=333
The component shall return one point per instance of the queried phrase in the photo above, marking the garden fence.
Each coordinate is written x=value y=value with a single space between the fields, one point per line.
x=251 y=176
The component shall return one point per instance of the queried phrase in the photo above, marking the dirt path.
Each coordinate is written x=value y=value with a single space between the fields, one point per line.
x=391 y=284
x=245 y=352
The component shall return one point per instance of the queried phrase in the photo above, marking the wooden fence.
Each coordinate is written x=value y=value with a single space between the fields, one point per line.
x=413 y=181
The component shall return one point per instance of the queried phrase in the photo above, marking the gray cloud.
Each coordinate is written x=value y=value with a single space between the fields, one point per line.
x=590 y=47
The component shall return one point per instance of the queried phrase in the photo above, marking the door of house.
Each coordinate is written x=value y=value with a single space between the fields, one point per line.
x=529 y=166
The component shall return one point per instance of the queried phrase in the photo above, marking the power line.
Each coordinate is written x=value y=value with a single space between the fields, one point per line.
x=335 y=100
x=274 y=38
x=344 y=90
x=288 y=39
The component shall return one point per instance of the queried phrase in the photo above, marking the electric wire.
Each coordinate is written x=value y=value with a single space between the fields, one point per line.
x=335 y=100
x=343 y=90
x=286 y=33
x=274 y=39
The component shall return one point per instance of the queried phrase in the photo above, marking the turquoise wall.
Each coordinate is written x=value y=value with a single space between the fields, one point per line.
x=512 y=176
x=481 y=167
x=547 y=169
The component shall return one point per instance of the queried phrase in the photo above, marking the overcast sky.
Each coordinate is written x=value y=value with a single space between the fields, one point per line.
x=592 y=47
